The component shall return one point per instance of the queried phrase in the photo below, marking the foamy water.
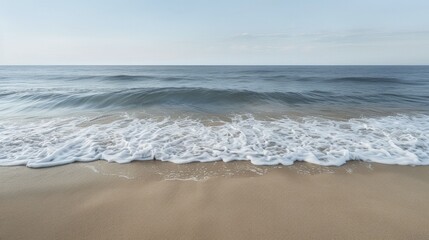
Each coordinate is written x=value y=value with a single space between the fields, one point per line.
x=390 y=140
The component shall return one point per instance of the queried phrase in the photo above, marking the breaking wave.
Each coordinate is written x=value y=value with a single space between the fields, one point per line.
x=183 y=140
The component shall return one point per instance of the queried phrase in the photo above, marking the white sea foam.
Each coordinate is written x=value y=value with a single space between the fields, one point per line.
x=402 y=140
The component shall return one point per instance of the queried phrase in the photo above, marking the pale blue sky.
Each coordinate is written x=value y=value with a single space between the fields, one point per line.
x=214 y=32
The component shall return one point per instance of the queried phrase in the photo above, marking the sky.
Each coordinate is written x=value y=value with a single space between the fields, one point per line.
x=221 y=32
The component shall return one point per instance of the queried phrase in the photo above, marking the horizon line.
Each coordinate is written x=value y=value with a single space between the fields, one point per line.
x=238 y=65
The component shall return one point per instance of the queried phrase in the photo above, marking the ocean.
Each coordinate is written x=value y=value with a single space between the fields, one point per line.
x=268 y=115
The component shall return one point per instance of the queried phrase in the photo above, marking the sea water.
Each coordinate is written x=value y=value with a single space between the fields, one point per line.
x=326 y=115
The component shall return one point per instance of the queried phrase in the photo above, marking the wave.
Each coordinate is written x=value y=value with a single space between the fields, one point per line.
x=155 y=96
x=263 y=76
x=120 y=78
x=263 y=142
x=320 y=80
x=370 y=80
x=181 y=96
x=140 y=97
x=125 y=77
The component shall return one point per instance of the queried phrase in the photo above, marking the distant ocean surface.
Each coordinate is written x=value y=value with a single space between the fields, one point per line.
x=326 y=115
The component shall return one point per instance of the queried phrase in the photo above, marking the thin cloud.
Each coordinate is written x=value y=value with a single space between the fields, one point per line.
x=351 y=36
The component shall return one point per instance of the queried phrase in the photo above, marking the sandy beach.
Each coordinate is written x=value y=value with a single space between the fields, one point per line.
x=237 y=200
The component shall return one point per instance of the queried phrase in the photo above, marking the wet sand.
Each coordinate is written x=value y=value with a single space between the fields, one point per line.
x=157 y=200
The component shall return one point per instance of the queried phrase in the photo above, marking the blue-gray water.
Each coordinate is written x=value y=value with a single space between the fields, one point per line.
x=52 y=115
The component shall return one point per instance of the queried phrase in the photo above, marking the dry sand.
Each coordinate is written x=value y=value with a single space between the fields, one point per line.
x=156 y=200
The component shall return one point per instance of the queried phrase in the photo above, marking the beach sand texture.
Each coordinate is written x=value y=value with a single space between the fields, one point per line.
x=237 y=200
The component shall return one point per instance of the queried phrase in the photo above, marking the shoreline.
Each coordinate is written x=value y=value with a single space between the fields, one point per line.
x=236 y=200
